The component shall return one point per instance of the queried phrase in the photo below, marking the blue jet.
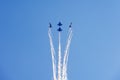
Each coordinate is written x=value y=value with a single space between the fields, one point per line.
x=70 y=25
x=59 y=29
x=59 y=24
x=50 y=25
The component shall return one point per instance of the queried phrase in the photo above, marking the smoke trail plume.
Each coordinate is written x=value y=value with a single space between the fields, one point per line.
x=52 y=54
x=66 y=54
x=59 y=57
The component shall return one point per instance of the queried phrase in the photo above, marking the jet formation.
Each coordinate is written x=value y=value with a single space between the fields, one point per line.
x=59 y=25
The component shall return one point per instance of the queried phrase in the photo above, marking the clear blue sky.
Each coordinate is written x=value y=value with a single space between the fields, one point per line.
x=24 y=43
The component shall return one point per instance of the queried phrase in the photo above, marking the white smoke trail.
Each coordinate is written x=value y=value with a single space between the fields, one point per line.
x=66 y=54
x=59 y=57
x=67 y=50
x=52 y=54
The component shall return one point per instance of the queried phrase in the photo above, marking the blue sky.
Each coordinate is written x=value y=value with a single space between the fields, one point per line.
x=24 y=43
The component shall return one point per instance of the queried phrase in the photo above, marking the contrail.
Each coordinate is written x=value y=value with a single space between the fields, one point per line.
x=52 y=54
x=61 y=72
x=59 y=57
x=66 y=54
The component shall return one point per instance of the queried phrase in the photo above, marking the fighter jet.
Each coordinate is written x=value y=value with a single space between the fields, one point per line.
x=70 y=25
x=50 y=25
x=59 y=29
x=59 y=24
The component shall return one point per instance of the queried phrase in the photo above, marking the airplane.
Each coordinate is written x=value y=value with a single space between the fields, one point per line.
x=59 y=29
x=70 y=25
x=50 y=25
x=59 y=24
